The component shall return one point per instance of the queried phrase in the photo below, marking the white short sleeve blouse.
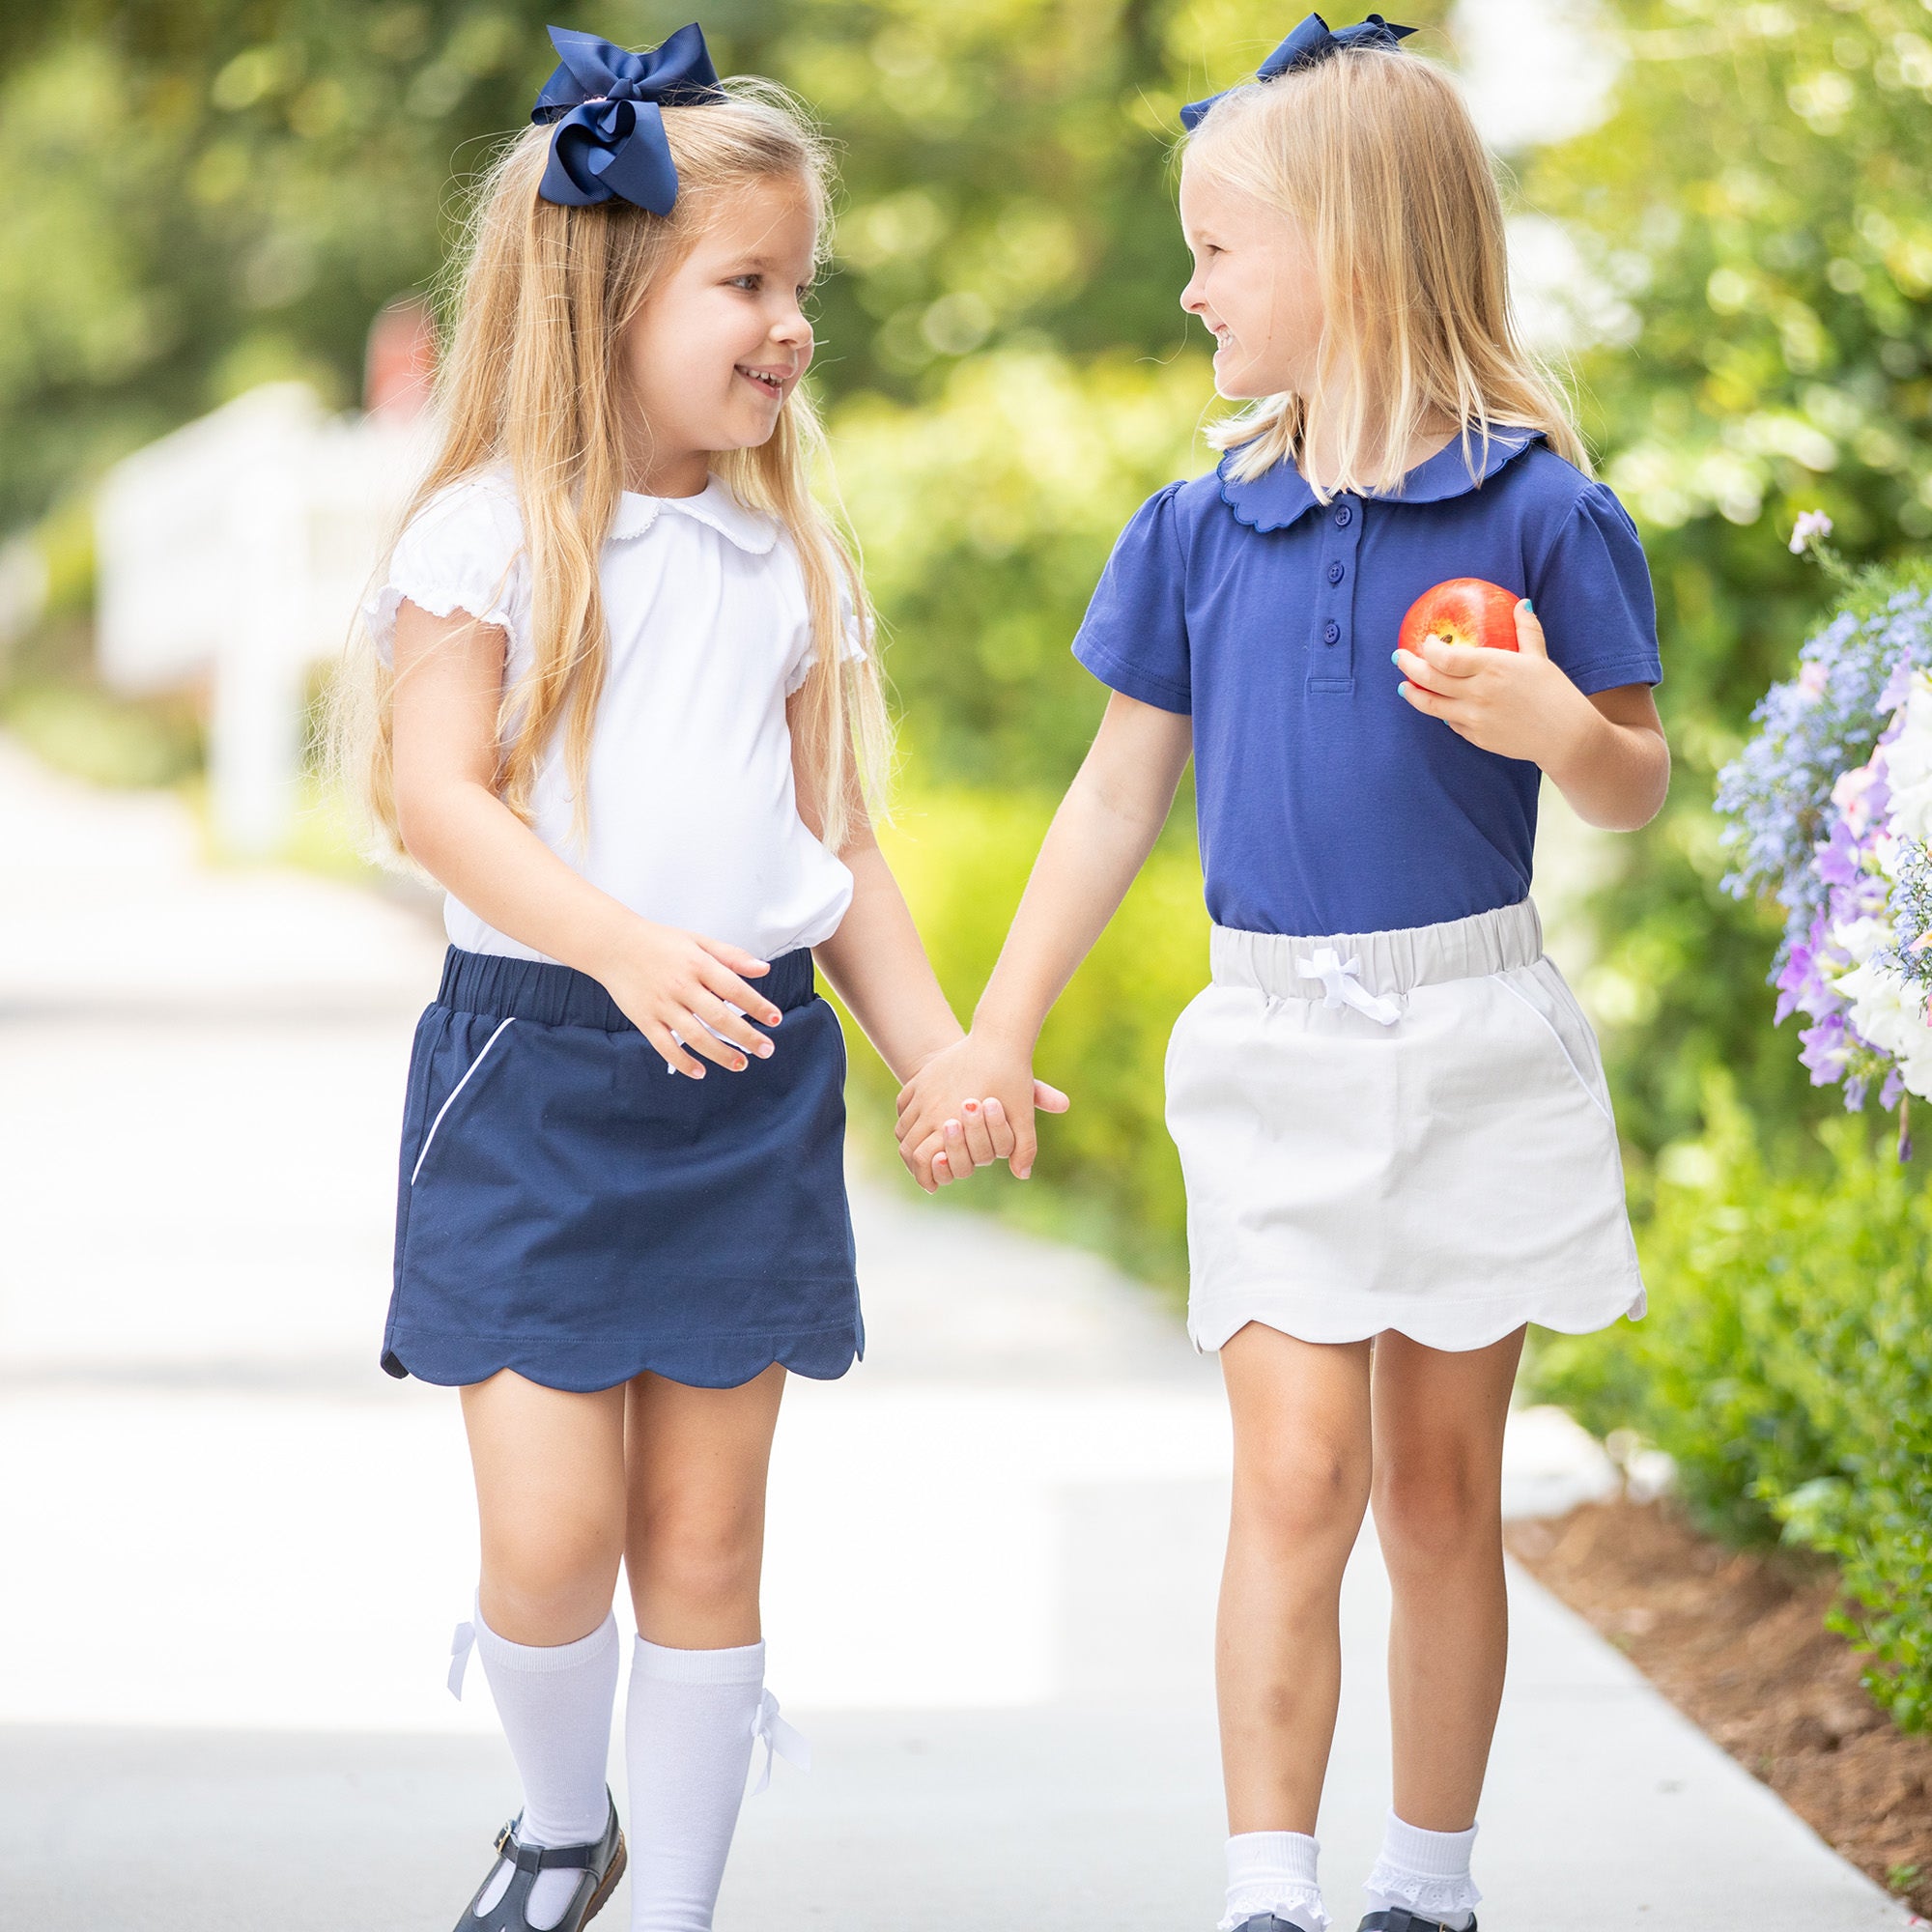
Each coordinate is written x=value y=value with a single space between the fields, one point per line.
x=693 y=818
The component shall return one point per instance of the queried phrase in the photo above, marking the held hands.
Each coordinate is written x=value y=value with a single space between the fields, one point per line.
x=1515 y=704
x=679 y=989
x=970 y=1105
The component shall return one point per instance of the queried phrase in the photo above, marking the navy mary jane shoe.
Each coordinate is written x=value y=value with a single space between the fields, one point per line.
x=599 y=1866
x=1401 y=1919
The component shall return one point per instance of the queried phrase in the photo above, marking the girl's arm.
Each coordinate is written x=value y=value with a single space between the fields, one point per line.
x=449 y=680
x=876 y=963
x=1100 y=838
x=1606 y=754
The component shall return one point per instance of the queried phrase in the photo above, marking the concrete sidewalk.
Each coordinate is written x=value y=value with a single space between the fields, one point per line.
x=233 y=1551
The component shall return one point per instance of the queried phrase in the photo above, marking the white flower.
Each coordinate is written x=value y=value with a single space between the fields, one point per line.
x=1810 y=523
x=1908 y=765
x=1891 y=1013
x=1860 y=938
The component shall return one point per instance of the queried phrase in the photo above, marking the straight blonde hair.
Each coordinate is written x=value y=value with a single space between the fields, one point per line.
x=1373 y=154
x=535 y=382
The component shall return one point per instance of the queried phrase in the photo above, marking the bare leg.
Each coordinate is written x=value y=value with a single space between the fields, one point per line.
x=1302 y=1483
x=695 y=1542
x=550 y=1495
x=1439 y=1448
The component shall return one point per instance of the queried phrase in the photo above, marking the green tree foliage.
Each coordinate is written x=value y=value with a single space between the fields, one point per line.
x=203 y=193
x=987 y=513
x=1761 y=201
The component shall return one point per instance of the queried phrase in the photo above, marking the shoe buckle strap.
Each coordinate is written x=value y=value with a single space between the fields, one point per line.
x=548 y=1857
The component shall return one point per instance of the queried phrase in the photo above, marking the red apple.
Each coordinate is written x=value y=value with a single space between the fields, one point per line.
x=1464 y=610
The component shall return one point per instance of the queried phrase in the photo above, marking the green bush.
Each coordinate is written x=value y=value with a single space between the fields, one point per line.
x=1107 y=1171
x=88 y=733
x=1786 y=1364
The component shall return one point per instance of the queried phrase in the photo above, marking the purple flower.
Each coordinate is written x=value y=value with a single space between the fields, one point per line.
x=1807 y=808
x=1825 y=1049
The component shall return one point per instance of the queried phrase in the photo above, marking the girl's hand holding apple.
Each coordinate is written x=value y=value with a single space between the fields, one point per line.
x=1499 y=689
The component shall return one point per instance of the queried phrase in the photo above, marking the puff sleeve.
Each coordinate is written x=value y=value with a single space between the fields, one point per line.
x=805 y=652
x=462 y=551
x=1134 y=636
x=1592 y=590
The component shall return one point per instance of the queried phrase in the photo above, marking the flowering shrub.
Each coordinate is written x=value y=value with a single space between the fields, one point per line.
x=1828 y=809
x=1783 y=1366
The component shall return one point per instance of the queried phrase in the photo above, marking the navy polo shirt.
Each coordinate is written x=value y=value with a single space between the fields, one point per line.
x=1327 y=803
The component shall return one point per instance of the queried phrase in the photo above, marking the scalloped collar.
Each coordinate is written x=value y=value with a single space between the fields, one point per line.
x=1275 y=499
x=714 y=504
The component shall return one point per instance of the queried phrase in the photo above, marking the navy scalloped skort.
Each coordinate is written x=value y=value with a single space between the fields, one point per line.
x=570 y=1208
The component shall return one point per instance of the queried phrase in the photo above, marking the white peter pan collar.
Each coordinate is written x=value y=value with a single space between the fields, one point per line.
x=714 y=504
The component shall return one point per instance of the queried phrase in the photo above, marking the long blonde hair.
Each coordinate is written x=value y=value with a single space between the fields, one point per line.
x=1373 y=154
x=534 y=382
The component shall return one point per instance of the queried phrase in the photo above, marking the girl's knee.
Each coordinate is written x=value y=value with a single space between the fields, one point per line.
x=545 y=1569
x=1435 y=1502
x=1311 y=1493
x=702 y=1558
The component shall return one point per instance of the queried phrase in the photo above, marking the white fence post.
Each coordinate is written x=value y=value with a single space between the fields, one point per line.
x=231 y=553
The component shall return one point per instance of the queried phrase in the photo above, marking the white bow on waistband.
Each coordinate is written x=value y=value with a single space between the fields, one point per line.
x=1340 y=988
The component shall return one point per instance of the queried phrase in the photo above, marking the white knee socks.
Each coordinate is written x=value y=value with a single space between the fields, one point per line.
x=688 y=1735
x=555 y=1704
x=1426 y=1871
x=1273 y=1872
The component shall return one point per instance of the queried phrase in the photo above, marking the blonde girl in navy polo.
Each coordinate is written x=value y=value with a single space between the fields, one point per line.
x=1391 y=1113
x=619 y=699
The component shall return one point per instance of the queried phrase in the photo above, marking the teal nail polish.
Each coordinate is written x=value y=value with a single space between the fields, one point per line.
x=1529 y=606
x=1395 y=657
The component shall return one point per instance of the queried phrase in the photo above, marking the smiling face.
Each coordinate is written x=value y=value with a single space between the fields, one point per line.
x=1255 y=285
x=723 y=340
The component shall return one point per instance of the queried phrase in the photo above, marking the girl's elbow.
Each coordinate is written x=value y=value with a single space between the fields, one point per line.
x=1634 y=810
x=418 y=825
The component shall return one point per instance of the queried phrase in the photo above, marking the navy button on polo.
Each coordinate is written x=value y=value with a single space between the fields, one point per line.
x=1327 y=803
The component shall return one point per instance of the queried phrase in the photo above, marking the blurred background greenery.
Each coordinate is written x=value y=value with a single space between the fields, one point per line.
x=206 y=194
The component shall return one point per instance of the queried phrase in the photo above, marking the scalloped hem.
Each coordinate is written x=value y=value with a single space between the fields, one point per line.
x=1455 y=1328
x=582 y=1368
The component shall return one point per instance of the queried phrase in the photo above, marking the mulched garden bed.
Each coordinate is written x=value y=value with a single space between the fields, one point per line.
x=1736 y=1640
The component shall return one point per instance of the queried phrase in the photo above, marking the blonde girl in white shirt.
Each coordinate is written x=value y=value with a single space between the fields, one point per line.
x=621 y=702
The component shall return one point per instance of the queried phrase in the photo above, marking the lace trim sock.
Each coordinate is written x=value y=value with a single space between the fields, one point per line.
x=1273 y=1872
x=1426 y=1871
x=556 y=1703
x=688 y=1734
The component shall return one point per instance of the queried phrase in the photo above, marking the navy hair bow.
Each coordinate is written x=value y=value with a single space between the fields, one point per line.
x=610 y=137
x=1309 y=44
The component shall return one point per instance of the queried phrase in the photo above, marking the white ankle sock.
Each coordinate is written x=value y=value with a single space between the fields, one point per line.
x=686 y=1745
x=555 y=1704
x=1426 y=1871
x=1273 y=1871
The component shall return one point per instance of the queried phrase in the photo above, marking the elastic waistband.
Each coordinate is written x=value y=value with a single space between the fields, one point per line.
x=547 y=994
x=1389 y=963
